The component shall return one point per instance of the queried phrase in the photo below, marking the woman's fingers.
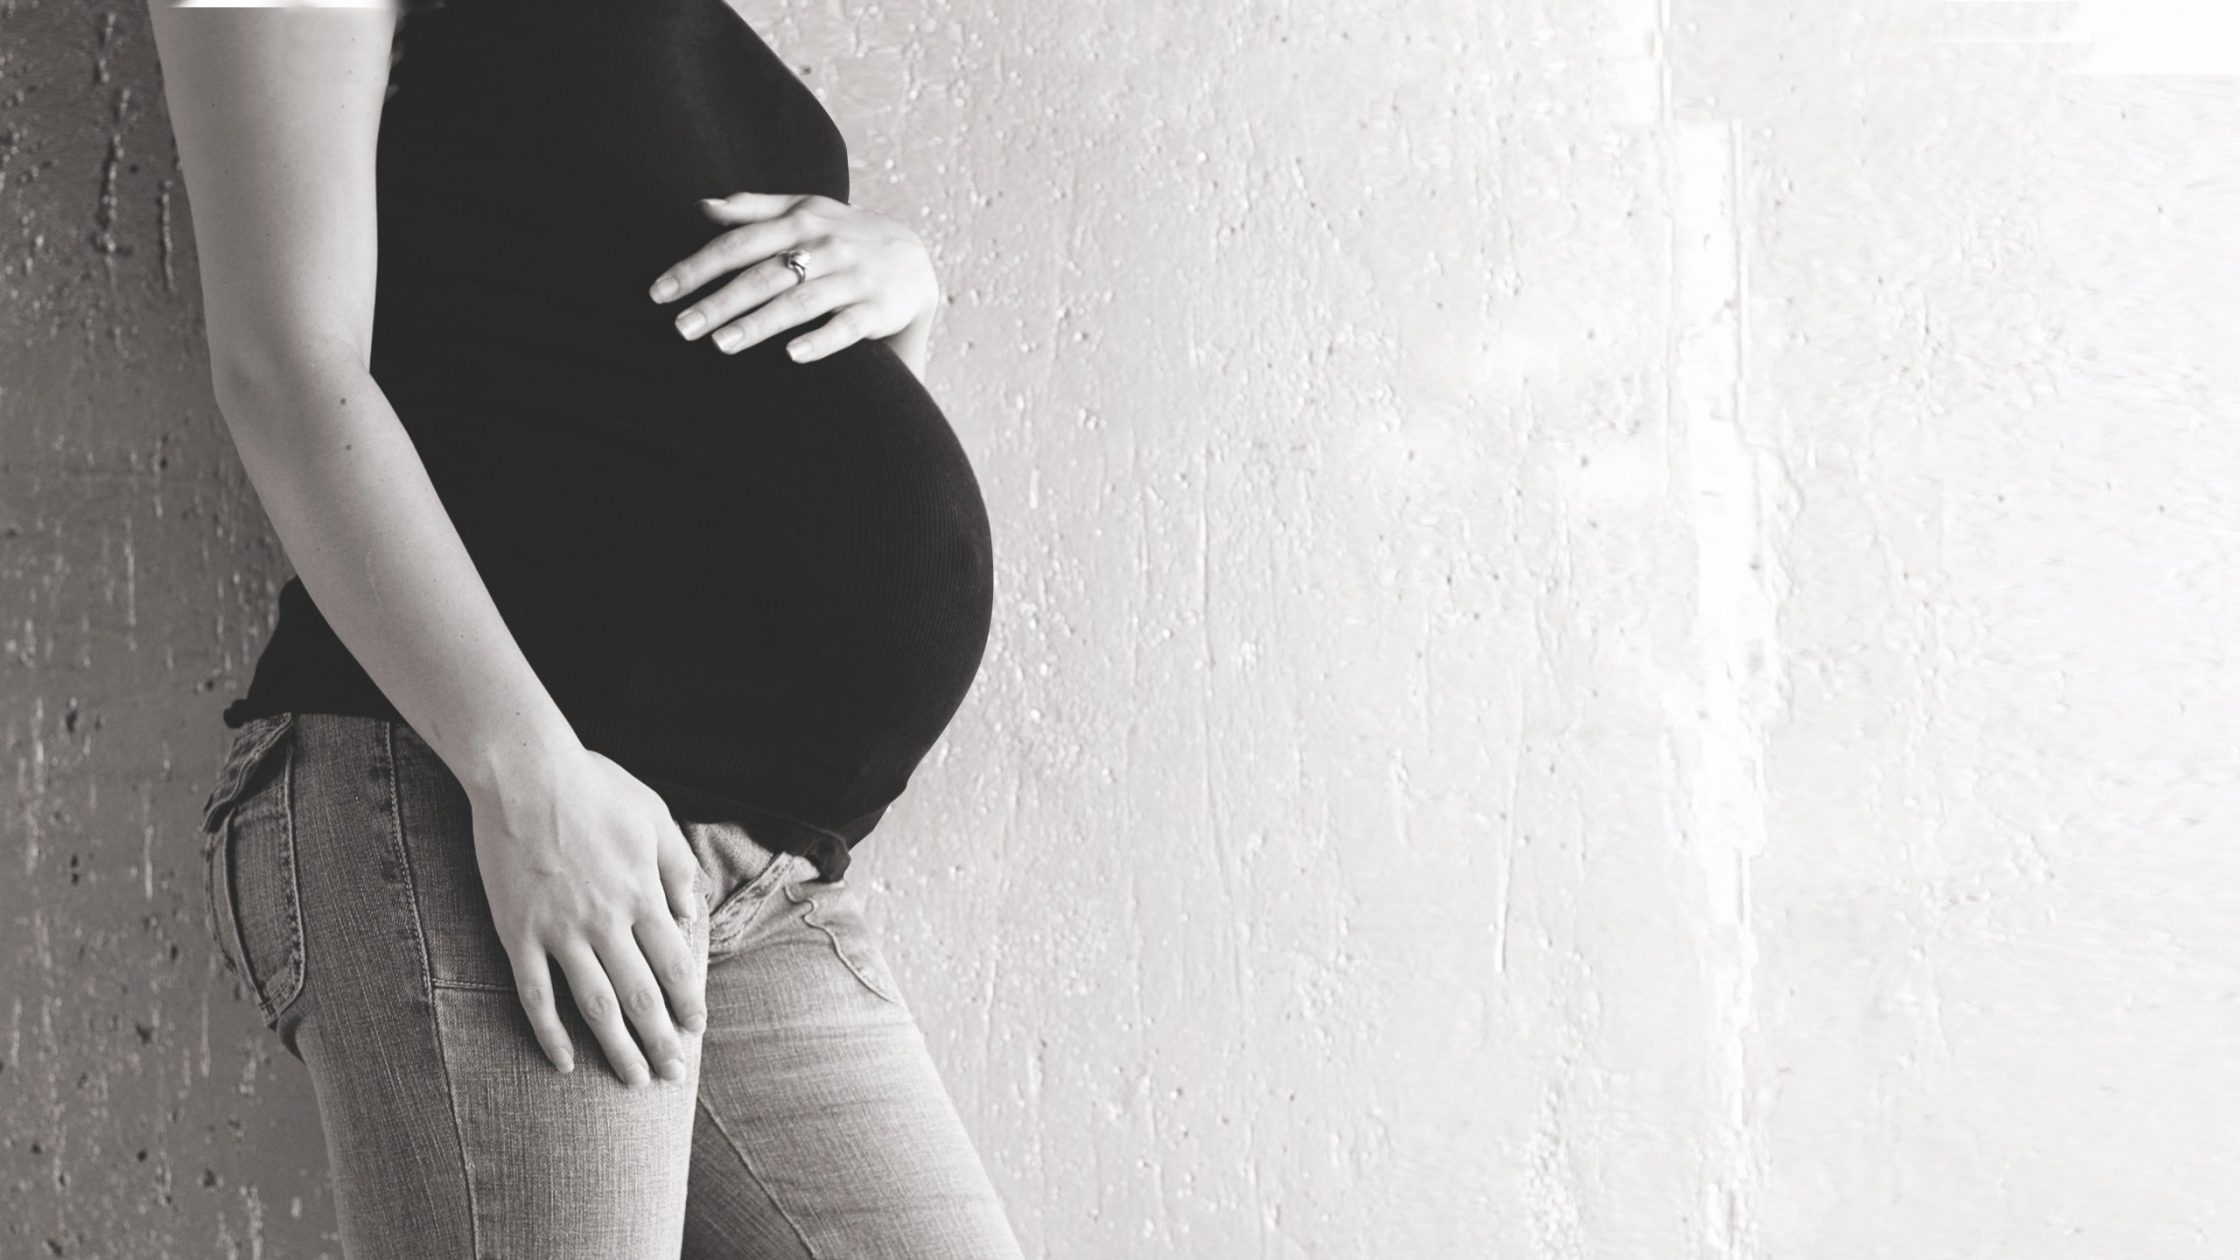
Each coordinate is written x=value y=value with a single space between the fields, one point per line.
x=764 y=277
x=595 y=997
x=746 y=207
x=668 y=951
x=797 y=305
x=643 y=1001
x=730 y=251
x=762 y=285
x=837 y=333
x=532 y=981
x=680 y=874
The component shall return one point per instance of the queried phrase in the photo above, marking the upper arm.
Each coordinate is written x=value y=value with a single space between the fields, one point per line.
x=276 y=111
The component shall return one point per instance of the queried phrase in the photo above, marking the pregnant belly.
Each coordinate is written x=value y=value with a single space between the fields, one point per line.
x=795 y=554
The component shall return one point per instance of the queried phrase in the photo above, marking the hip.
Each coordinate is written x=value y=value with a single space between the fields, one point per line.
x=345 y=898
x=338 y=845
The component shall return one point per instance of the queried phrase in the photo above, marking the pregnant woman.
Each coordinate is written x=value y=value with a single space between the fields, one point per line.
x=636 y=572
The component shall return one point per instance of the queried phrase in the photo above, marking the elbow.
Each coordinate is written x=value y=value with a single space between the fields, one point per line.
x=238 y=378
x=255 y=379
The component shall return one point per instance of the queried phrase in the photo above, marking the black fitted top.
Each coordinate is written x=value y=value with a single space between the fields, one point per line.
x=763 y=587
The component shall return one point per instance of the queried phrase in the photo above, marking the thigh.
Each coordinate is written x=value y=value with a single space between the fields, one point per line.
x=448 y=1132
x=824 y=1129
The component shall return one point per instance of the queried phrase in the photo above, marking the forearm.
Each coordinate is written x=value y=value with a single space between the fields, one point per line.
x=351 y=501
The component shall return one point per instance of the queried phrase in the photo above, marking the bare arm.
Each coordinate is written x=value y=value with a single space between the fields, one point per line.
x=276 y=114
x=276 y=111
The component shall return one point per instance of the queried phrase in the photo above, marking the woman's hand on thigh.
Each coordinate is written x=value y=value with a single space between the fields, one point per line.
x=584 y=866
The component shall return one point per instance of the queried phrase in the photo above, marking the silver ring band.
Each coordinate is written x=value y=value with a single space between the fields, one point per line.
x=799 y=261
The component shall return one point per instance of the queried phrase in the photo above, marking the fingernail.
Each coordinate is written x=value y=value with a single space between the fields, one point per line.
x=711 y=203
x=664 y=289
x=671 y=1069
x=634 y=1075
x=728 y=340
x=690 y=323
x=797 y=351
x=567 y=1065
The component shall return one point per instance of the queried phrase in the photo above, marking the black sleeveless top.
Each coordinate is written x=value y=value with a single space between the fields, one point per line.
x=763 y=587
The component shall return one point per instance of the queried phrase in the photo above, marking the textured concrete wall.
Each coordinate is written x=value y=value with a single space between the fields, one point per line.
x=140 y=1115
x=1611 y=638
x=1985 y=375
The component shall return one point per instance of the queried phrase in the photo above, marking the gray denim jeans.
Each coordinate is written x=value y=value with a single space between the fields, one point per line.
x=346 y=899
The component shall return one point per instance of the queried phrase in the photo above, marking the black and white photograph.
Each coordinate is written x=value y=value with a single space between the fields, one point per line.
x=1016 y=630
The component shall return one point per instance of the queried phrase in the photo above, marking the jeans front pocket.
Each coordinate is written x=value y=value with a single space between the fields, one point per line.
x=835 y=910
x=250 y=864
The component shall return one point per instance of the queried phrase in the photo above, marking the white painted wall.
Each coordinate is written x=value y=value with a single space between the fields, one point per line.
x=1614 y=630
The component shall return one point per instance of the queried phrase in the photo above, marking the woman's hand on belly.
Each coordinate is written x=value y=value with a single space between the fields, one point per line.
x=872 y=274
x=583 y=862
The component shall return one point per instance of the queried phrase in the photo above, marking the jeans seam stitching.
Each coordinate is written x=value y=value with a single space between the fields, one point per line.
x=209 y=894
x=230 y=910
x=427 y=974
x=809 y=916
x=223 y=805
x=755 y=894
x=724 y=1132
x=297 y=965
x=773 y=876
x=471 y=986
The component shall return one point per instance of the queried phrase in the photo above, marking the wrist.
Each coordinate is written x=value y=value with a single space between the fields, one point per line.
x=520 y=758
